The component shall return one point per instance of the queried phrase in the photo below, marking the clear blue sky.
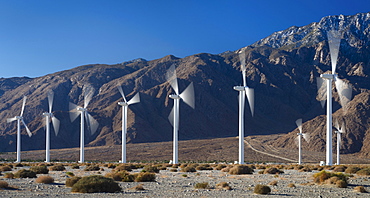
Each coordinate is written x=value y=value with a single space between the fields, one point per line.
x=38 y=37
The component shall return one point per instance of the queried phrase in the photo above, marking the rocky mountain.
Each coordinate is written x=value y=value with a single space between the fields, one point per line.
x=282 y=69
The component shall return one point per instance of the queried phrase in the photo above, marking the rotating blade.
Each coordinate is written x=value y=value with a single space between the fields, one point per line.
x=296 y=140
x=134 y=99
x=23 y=105
x=27 y=129
x=250 y=96
x=50 y=100
x=122 y=94
x=299 y=124
x=306 y=137
x=343 y=128
x=73 y=113
x=11 y=119
x=242 y=66
x=188 y=95
x=92 y=123
x=56 y=124
x=344 y=92
x=172 y=78
x=321 y=91
x=334 y=37
x=88 y=94
x=336 y=125
x=170 y=117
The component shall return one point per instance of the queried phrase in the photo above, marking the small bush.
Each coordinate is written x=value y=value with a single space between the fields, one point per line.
x=341 y=184
x=45 y=179
x=70 y=174
x=138 y=187
x=240 y=169
x=144 y=177
x=184 y=175
x=360 y=189
x=4 y=184
x=173 y=170
x=188 y=169
x=272 y=170
x=330 y=178
x=39 y=169
x=226 y=169
x=75 y=166
x=220 y=166
x=365 y=171
x=123 y=167
x=5 y=168
x=204 y=167
x=273 y=183
x=71 y=181
x=352 y=169
x=25 y=174
x=262 y=189
x=305 y=169
x=9 y=175
x=95 y=183
x=121 y=176
x=203 y=185
x=339 y=169
x=18 y=165
x=57 y=167
x=151 y=169
x=223 y=185
x=92 y=168
x=291 y=185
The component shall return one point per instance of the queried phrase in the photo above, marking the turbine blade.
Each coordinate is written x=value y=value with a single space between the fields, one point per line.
x=242 y=66
x=50 y=99
x=73 y=113
x=11 y=119
x=23 y=105
x=56 y=124
x=299 y=124
x=250 y=96
x=334 y=37
x=172 y=78
x=92 y=123
x=296 y=141
x=88 y=94
x=343 y=129
x=321 y=91
x=27 y=129
x=134 y=99
x=344 y=92
x=188 y=95
x=170 y=117
x=122 y=94
x=306 y=137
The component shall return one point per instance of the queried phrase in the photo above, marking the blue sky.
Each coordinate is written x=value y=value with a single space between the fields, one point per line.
x=40 y=37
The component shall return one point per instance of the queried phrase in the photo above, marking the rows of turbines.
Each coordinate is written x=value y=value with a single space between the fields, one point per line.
x=187 y=96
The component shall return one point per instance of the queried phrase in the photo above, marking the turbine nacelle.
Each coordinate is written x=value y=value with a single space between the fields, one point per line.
x=174 y=96
x=48 y=114
x=329 y=76
x=81 y=109
x=123 y=103
x=18 y=117
x=299 y=133
x=240 y=88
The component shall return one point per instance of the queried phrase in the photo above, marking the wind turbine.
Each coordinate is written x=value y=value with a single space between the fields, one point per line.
x=125 y=105
x=243 y=90
x=344 y=90
x=92 y=124
x=339 y=131
x=20 y=119
x=49 y=116
x=187 y=96
x=300 y=135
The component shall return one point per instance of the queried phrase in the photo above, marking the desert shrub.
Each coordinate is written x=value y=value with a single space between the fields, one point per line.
x=45 y=179
x=9 y=175
x=150 y=169
x=123 y=167
x=339 y=169
x=184 y=175
x=25 y=174
x=261 y=172
x=4 y=184
x=332 y=178
x=75 y=166
x=95 y=183
x=70 y=174
x=18 y=165
x=298 y=167
x=364 y=171
x=305 y=169
x=352 y=169
x=92 y=168
x=71 y=181
x=240 y=169
x=5 y=168
x=138 y=187
x=291 y=185
x=174 y=165
x=360 y=189
x=188 y=169
x=341 y=184
x=39 y=169
x=220 y=166
x=112 y=166
x=223 y=185
x=202 y=185
x=57 y=167
x=121 y=176
x=226 y=169
x=262 y=189
x=204 y=167
x=144 y=177
x=173 y=170
x=272 y=170
x=273 y=183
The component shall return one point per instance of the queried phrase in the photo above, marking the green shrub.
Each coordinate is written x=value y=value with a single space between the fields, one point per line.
x=262 y=189
x=204 y=167
x=364 y=171
x=95 y=183
x=203 y=185
x=352 y=169
x=330 y=178
x=25 y=174
x=71 y=181
x=45 y=179
x=121 y=176
x=123 y=167
x=39 y=169
x=150 y=169
x=145 y=177
x=92 y=168
x=57 y=167
x=240 y=169
x=70 y=174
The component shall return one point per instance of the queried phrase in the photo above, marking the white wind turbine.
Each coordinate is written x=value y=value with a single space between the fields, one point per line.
x=19 y=120
x=187 y=96
x=344 y=90
x=243 y=90
x=125 y=105
x=92 y=124
x=339 y=131
x=49 y=116
x=299 y=137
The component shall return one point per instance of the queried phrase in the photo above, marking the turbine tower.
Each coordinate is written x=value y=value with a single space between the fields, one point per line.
x=49 y=116
x=20 y=119
x=243 y=90
x=92 y=124
x=339 y=131
x=187 y=96
x=125 y=105
x=344 y=90
x=299 y=137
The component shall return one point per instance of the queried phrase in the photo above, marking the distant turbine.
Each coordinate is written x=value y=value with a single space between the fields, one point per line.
x=125 y=105
x=344 y=90
x=55 y=121
x=19 y=120
x=187 y=96
x=300 y=135
x=243 y=90
x=339 y=131
x=92 y=124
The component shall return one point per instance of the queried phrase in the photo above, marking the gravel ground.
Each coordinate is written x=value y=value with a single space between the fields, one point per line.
x=174 y=184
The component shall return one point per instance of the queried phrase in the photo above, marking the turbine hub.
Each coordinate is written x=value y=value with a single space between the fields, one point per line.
x=18 y=117
x=81 y=109
x=123 y=103
x=174 y=96
x=328 y=76
x=299 y=133
x=47 y=114
x=239 y=88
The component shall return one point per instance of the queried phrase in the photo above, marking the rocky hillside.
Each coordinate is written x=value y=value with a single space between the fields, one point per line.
x=282 y=69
